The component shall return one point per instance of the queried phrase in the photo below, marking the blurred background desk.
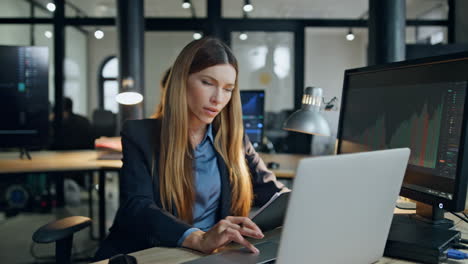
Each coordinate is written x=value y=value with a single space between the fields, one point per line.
x=63 y=161
x=87 y=161
x=287 y=163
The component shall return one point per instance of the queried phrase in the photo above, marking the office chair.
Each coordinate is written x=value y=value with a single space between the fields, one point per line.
x=61 y=232
x=104 y=123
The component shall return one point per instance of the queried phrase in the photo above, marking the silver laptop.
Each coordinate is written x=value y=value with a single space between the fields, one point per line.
x=340 y=211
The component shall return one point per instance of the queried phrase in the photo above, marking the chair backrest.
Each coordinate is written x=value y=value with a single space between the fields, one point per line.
x=104 y=123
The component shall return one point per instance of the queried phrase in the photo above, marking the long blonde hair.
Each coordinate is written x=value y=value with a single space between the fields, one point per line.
x=176 y=177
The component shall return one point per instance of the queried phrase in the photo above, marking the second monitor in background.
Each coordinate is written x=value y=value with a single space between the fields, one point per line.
x=24 y=96
x=253 y=111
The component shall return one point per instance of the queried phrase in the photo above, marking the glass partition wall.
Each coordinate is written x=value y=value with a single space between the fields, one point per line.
x=282 y=48
x=266 y=62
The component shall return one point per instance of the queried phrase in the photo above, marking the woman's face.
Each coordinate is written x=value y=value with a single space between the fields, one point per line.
x=209 y=91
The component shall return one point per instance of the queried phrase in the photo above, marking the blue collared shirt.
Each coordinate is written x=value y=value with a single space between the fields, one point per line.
x=207 y=186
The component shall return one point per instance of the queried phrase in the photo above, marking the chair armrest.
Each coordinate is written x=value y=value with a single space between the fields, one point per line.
x=60 y=229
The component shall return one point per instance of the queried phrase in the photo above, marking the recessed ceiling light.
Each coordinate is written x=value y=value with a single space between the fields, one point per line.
x=50 y=7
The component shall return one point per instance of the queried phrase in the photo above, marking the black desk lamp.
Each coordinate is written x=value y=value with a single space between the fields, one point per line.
x=308 y=119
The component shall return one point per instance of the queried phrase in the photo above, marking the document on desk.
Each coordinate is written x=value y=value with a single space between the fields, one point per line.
x=271 y=215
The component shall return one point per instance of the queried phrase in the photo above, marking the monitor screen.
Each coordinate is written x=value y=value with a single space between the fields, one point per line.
x=418 y=104
x=253 y=102
x=24 y=98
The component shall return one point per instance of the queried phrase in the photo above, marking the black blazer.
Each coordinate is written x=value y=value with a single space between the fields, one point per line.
x=141 y=222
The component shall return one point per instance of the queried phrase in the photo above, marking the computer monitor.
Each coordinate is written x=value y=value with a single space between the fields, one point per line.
x=24 y=96
x=253 y=103
x=420 y=104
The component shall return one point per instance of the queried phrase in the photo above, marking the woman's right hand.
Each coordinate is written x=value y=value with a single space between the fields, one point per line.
x=230 y=229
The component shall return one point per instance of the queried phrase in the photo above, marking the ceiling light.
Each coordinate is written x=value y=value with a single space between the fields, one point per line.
x=129 y=98
x=243 y=36
x=186 y=4
x=197 y=35
x=51 y=7
x=248 y=7
x=350 y=36
x=99 y=34
x=48 y=34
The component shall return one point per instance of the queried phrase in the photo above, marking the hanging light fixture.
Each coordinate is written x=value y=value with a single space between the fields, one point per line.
x=197 y=35
x=350 y=36
x=50 y=7
x=248 y=7
x=186 y=4
x=243 y=36
x=98 y=34
x=129 y=95
x=48 y=34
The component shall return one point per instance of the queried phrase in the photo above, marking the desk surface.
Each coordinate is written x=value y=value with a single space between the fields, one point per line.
x=80 y=160
x=180 y=255
x=49 y=161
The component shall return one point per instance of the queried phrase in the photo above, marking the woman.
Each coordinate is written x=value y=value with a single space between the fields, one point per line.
x=189 y=176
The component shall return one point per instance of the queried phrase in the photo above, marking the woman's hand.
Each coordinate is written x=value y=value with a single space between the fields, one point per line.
x=230 y=229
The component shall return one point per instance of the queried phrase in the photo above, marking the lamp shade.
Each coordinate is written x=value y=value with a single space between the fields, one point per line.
x=129 y=98
x=308 y=119
x=128 y=94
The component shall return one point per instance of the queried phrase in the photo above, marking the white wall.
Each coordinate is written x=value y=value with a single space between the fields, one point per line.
x=328 y=55
x=98 y=51
x=266 y=62
x=161 y=50
x=14 y=8
x=41 y=40
x=76 y=69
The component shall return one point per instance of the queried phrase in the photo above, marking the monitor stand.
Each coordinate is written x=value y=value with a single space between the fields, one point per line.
x=431 y=215
x=422 y=237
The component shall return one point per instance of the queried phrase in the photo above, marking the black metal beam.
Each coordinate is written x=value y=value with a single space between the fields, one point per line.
x=299 y=67
x=32 y=38
x=451 y=21
x=91 y=21
x=386 y=31
x=25 y=20
x=173 y=24
x=59 y=58
x=130 y=27
x=181 y=24
x=214 y=27
x=434 y=22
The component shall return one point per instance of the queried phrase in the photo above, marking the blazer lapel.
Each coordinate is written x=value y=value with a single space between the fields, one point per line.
x=155 y=160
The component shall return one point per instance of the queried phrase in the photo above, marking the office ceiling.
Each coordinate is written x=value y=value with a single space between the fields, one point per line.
x=349 y=9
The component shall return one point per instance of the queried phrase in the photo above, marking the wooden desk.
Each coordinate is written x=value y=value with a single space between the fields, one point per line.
x=288 y=163
x=82 y=160
x=63 y=161
x=180 y=255
x=86 y=161
x=55 y=161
